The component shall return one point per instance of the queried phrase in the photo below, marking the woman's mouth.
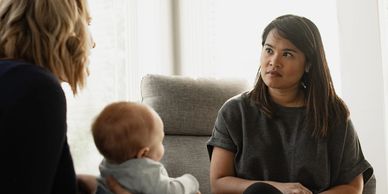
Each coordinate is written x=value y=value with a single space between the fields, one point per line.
x=273 y=73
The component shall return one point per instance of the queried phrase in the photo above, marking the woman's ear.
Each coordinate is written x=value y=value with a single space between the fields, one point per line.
x=142 y=152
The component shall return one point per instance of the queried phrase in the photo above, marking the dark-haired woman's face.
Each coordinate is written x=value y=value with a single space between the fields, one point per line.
x=282 y=64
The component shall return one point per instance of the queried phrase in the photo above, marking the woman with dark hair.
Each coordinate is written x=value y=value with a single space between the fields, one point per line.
x=291 y=133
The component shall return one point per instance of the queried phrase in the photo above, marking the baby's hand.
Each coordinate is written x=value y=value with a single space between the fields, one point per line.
x=199 y=192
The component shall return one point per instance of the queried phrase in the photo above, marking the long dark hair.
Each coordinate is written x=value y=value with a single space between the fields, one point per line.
x=324 y=109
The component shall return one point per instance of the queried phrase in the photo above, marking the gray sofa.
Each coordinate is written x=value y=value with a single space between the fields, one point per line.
x=188 y=108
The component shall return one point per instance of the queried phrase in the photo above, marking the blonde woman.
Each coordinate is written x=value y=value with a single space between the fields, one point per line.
x=42 y=43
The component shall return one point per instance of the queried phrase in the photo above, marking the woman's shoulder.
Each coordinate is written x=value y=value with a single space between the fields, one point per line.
x=19 y=72
x=238 y=103
x=26 y=80
x=237 y=100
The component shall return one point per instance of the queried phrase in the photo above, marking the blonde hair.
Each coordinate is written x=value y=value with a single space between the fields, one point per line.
x=49 y=33
x=122 y=129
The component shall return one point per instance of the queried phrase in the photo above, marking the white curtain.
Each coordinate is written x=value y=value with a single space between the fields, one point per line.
x=132 y=38
x=217 y=38
x=222 y=37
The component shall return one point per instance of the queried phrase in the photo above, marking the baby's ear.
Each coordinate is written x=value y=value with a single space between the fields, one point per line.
x=142 y=152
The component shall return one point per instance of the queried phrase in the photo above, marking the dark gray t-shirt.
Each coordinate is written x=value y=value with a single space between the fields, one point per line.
x=282 y=149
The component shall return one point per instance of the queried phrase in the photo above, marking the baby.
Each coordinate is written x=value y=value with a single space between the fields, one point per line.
x=129 y=136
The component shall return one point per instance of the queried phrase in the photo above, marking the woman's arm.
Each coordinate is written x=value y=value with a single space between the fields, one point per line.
x=33 y=130
x=354 y=187
x=223 y=180
x=222 y=176
x=87 y=184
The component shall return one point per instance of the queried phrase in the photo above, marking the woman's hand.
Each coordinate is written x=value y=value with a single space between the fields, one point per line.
x=290 y=188
x=115 y=186
x=87 y=184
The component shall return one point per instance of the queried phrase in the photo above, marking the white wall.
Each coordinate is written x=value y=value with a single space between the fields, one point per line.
x=383 y=8
x=363 y=79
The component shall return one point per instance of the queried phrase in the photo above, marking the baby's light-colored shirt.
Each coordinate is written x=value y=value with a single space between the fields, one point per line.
x=146 y=176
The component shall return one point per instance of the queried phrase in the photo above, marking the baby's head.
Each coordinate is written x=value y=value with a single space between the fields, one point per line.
x=126 y=130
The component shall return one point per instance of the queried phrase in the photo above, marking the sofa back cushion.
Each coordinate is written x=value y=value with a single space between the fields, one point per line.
x=188 y=108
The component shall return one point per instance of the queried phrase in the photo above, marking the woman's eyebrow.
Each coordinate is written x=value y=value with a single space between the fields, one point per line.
x=290 y=50
x=286 y=49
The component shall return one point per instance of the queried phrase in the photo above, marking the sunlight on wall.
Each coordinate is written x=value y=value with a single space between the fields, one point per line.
x=133 y=38
x=363 y=79
x=383 y=8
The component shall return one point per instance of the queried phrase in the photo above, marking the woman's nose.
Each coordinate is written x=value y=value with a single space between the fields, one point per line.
x=274 y=61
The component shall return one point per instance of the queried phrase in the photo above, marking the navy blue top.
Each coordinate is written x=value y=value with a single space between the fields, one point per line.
x=35 y=156
x=282 y=149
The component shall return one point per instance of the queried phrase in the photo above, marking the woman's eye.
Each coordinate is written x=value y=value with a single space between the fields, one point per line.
x=268 y=50
x=287 y=54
